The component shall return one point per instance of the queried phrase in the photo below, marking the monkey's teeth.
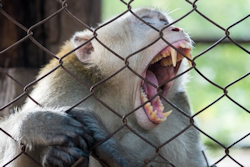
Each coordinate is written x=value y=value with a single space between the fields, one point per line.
x=159 y=57
x=161 y=108
x=148 y=107
x=162 y=119
x=165 y=62
x=166 y=114
x=173 y=56
x=166 y=54
x=148 y=104
x=184 y=47
x=153 y=115
x=156 y=116
x=144 y=96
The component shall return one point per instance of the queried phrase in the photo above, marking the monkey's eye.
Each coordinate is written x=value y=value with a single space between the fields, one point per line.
x=154 y=20
x=164 y=21
x=146 y=19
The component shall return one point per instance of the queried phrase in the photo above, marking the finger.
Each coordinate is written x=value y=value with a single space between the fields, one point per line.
x=62 y=156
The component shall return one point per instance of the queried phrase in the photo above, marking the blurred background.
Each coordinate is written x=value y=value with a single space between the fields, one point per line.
x=225 y=121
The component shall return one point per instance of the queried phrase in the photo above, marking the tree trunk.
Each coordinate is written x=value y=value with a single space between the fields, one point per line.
x=22 y=60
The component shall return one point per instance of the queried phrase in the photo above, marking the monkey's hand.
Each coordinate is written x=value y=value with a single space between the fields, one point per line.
x=94 y=132
x=63 y=138
x=109 y=151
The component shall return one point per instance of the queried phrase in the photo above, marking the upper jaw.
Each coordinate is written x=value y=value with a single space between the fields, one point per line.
x=183 y=47
x=157 y=74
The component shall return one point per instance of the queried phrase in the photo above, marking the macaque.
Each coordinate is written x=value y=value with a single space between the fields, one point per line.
x=116 y=98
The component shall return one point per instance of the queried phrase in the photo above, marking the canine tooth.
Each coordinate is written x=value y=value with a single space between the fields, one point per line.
x=173 y=56
x=166 y=114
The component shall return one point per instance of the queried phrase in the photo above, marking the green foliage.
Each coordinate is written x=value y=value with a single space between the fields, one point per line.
x=224 y=120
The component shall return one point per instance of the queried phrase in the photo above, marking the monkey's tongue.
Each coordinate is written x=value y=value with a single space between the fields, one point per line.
x=154 y=108
x=148 y=88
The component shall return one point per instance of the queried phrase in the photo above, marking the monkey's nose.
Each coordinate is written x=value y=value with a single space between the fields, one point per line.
x=176 y=29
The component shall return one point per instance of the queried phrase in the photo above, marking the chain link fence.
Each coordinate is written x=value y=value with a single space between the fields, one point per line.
x=64 y=8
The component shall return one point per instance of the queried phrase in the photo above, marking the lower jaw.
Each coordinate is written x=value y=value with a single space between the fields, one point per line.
x=141 y=117
x=143 y=121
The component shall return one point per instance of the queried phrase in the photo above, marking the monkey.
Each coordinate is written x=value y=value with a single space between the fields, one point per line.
x=115 y=96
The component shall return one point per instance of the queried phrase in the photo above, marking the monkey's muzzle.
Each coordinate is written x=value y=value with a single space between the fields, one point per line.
x=158 y=79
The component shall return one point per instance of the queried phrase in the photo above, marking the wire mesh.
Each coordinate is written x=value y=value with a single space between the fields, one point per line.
x=92 y=88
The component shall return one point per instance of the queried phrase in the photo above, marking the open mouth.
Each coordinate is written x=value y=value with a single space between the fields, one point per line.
x=160 y=71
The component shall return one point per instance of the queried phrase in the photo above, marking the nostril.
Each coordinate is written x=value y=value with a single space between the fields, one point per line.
x=175 y=29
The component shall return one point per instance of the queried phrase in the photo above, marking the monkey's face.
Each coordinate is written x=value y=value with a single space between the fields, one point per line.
x=146 y=48
x=161 y=63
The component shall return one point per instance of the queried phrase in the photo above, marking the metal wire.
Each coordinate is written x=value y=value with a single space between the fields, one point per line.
x=64 y=8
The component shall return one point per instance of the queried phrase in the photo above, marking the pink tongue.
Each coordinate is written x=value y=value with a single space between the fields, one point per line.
x=151 y=91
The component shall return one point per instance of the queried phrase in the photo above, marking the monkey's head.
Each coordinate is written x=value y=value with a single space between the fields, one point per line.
x=150 y=53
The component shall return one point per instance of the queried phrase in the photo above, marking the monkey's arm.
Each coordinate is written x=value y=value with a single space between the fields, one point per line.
x=60 y=139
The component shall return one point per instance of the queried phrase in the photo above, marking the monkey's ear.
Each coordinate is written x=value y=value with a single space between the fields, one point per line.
x=83 y=53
